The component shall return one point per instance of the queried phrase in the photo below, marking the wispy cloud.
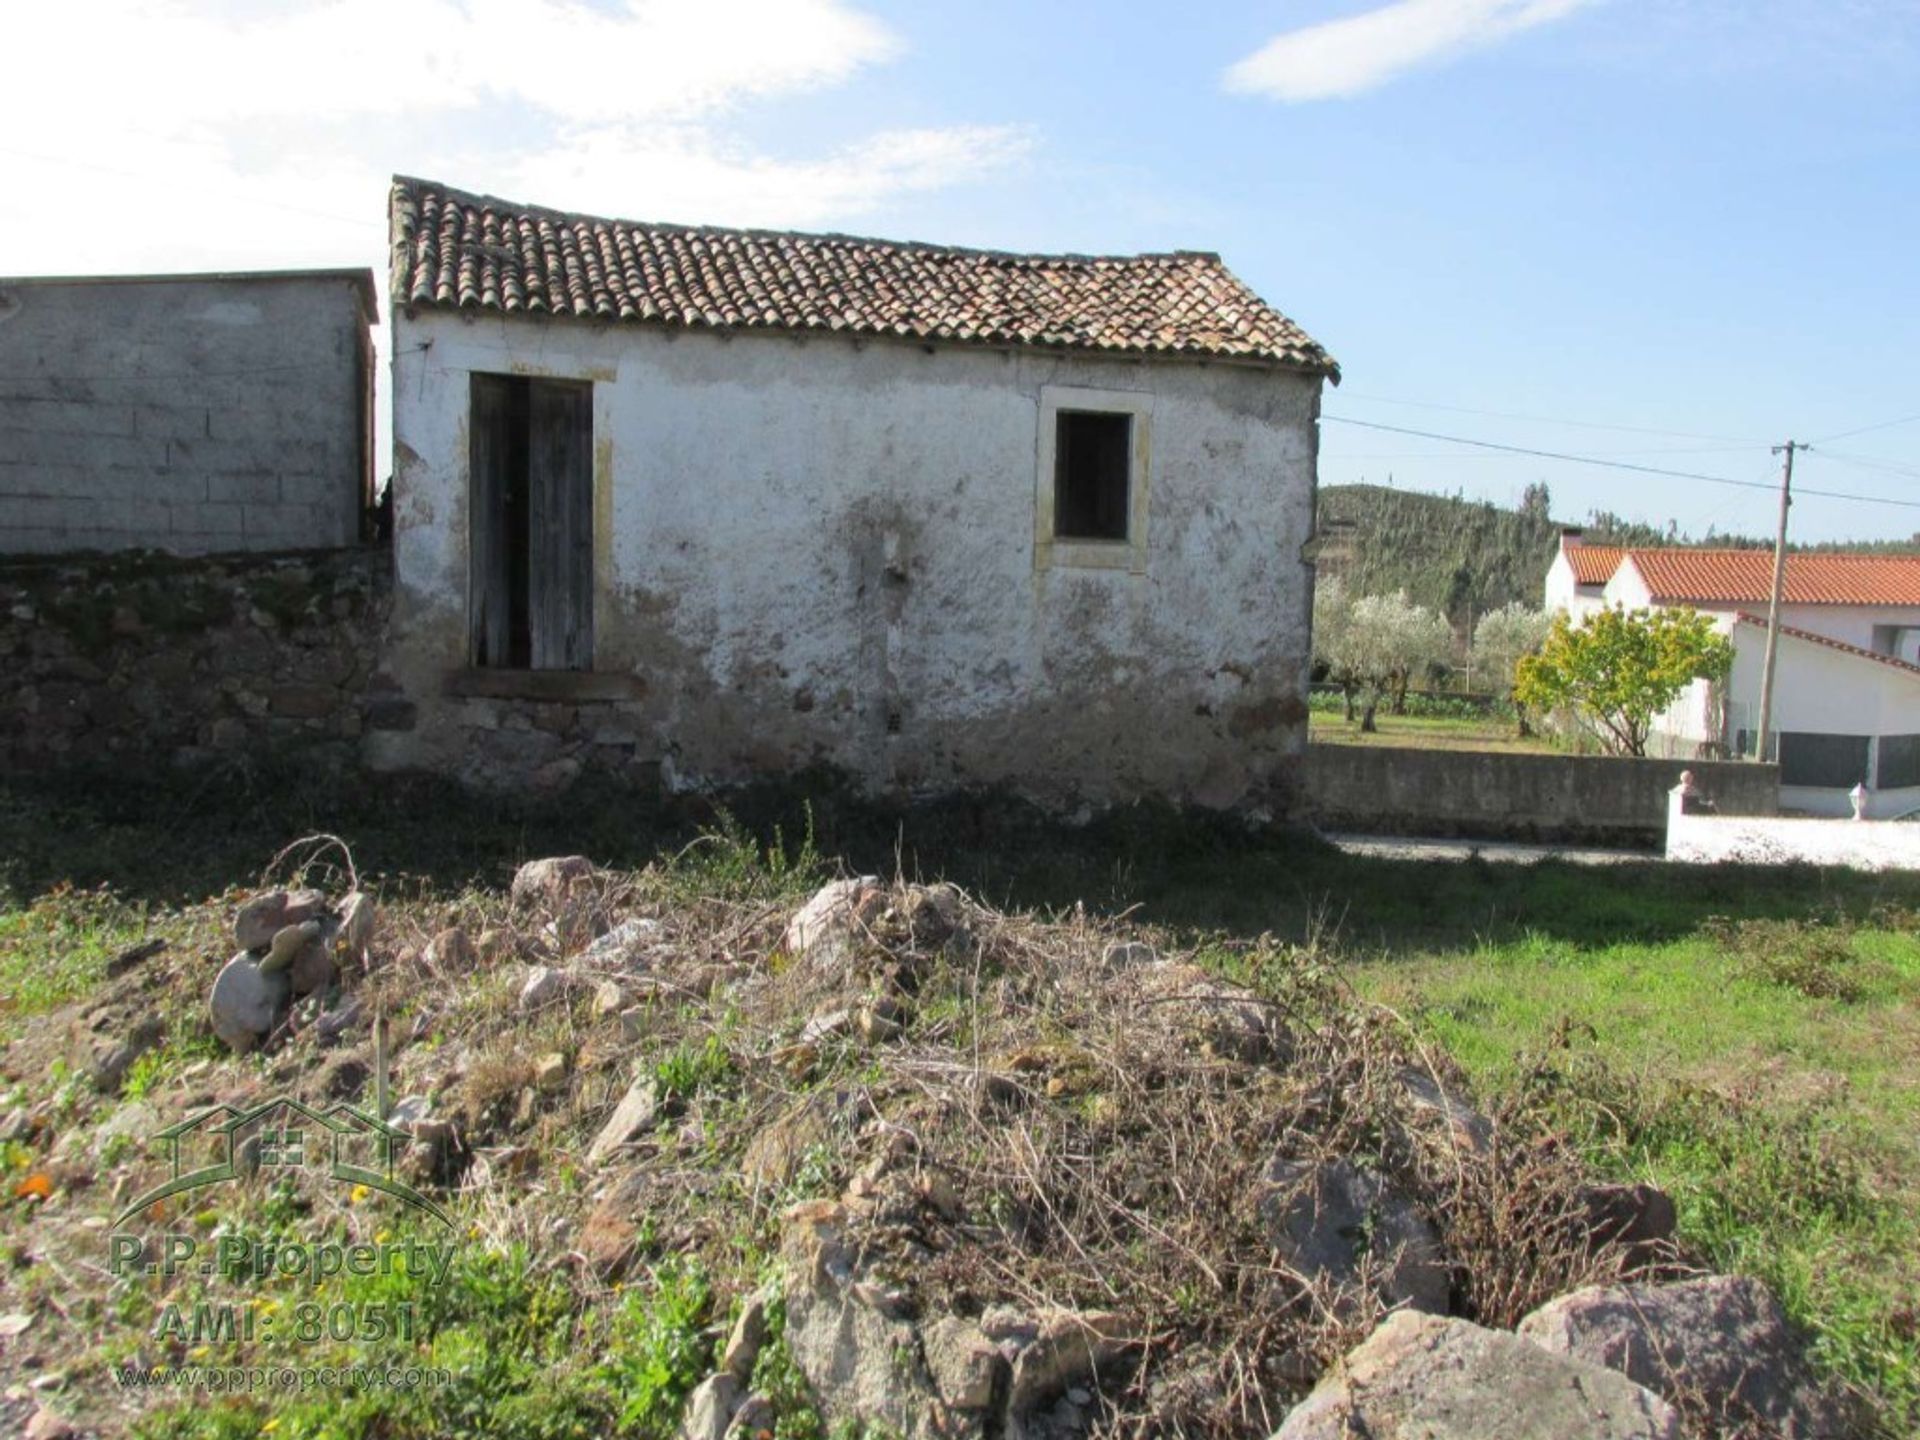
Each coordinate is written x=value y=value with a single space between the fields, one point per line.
x=1355 y=54
x=158 y=134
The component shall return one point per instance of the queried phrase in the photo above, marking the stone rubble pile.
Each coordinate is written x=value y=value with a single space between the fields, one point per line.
x=1645 y=1361
x=292 y=944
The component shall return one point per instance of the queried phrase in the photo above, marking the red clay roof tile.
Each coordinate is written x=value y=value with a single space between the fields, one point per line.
x=471 y=252
x=1733 y=577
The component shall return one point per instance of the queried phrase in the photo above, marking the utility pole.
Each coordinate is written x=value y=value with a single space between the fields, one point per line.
x=1773 y=601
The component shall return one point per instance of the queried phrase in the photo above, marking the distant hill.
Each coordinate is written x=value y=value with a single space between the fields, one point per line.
x=1466 y=556
x=1447 y=553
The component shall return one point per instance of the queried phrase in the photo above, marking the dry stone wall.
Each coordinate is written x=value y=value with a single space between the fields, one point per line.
x=143 y=657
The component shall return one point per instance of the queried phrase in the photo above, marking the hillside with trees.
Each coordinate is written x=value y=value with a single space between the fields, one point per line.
x=1465 y=557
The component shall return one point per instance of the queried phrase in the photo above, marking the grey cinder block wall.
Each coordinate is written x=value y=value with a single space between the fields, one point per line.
x=195 y=414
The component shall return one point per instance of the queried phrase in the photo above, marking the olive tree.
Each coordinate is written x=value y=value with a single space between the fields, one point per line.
x=1501 y=640
x=1376 y=643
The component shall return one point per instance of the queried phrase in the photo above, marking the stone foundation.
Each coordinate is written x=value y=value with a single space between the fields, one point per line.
x=141 y=657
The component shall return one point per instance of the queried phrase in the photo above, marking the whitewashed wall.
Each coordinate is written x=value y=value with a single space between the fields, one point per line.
x=824 y=550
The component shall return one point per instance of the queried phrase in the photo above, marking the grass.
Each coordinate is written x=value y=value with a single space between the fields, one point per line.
x=1430 y=732
x=1760 y=1071
x=1742 y=1037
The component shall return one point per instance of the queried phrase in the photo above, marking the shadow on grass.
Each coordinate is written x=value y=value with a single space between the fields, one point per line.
x=165 y=837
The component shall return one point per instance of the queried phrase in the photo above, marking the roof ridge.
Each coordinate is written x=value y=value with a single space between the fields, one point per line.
x=522 y=207
x=454 y=249
x=1767 y=551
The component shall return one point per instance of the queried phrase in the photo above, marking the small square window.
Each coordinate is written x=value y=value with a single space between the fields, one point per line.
x=1093 y=474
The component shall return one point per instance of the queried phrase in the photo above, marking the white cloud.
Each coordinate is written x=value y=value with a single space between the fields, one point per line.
x=689 y=174
x=160 y=134
x=1355 y=54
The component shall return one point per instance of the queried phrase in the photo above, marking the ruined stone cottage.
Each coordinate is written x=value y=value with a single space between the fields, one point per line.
x=724 y=502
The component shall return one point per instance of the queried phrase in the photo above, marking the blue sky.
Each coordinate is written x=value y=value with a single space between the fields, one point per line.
x=1694 y=216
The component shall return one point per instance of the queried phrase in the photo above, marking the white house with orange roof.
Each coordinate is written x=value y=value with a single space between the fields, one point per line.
x=1846 y=702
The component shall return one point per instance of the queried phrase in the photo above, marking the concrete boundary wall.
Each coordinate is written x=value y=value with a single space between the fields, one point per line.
x=1486 y=794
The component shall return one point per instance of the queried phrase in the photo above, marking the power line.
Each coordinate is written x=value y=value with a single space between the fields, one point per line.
x=1740 y=440
x=1869 y=429
x=1868 y=464
x=1613 y=464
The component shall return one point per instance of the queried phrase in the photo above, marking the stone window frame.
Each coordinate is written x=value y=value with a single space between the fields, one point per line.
x=1129 y=554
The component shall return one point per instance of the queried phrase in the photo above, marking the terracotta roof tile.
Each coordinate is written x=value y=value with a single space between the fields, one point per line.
x=1733 y=577
x=471 y=252
x=1594 y=564
x=1760 y=622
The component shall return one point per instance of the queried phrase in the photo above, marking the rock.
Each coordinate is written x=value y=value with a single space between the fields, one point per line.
x=967 y=1368
x=610 y=1240
x=550 y=1072
x=408 y=1111
x=608 y=1000
x=934 y=913
x=450 y=950
x=633 y=1022
x=1068 y=1347
x=774 y=1155
x=264 y=916
x=624 y=945
x=544 y=986
x=1323 y=1218
x=288 y=941
x=497 y=944
x=710 y=1408
x=754 y=1420
x=550 y=881
x=1129 y=955
x=863 y=1365
x=826 y=922
x=827 y=1025
x=635 y=1112
x=1434 y=1104
x=46 y=1425
x=1640 y=1218
x=1439 y=1379
x=109 y=1065
x=337 y=1022
x=1721 y=1344
x=749 y=1333
x=1223 y=1020
x=879 y=1022
x=436 y=1154
x=312 y=969
x=356 y=923
x=246 y=1002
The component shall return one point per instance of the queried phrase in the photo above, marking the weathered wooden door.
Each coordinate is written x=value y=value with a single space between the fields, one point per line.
x=560 y=525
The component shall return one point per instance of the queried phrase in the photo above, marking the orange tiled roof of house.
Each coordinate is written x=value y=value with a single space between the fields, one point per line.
x=1760 y=622
x=470 y=252
x=1594 y=564
x=1732 y=577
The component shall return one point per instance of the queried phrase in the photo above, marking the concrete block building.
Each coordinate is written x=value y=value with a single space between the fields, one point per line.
x=193 y=414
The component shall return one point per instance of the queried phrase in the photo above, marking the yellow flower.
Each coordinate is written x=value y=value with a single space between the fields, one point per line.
x=357 y=1194
x=271 y=1426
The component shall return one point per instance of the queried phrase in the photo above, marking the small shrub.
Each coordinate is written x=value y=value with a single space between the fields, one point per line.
x=1817 y=960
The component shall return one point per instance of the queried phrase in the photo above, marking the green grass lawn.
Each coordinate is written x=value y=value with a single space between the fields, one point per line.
x=1428 y=732
x=1747 y=1038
